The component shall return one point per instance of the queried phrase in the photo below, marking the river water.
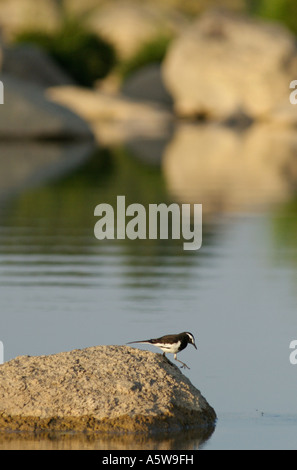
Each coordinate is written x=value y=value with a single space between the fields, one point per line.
x=62 y=289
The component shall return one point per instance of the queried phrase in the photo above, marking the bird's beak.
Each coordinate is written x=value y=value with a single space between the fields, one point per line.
x=194 y=345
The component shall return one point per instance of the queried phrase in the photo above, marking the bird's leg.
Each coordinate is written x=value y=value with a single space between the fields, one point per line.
x=183 y=364
x=164 y=355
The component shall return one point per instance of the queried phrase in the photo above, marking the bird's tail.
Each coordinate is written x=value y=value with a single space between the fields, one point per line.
x=145 y=341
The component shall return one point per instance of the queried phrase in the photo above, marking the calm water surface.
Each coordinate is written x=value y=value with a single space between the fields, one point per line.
x=62 y=289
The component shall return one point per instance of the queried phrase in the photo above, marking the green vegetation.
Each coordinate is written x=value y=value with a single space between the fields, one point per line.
x=86 y=57
x=195 y=7
x=284 y=11
x=70 y=201
x=152 y=51
x=82 y=54
x=284 y=225
x=66 y=206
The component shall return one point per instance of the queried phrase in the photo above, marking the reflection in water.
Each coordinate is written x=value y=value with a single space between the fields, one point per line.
x=23 y=165
x=48 y=253
x=62 y=289
x=58 y=221
x=227 y=170
x=186 y=440
x=284 y=228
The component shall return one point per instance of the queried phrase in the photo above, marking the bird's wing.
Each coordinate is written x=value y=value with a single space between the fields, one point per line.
x=164 y=339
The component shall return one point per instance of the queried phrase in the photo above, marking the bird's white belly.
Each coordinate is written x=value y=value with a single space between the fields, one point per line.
x=169 y=348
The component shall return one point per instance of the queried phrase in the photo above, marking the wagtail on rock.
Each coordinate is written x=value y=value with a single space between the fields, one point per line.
x=171 y=344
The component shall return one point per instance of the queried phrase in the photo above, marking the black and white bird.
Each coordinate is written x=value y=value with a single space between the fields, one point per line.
x=171 y=344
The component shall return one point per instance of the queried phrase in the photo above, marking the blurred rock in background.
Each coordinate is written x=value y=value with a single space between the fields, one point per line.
x=131 y=72
x=226 y=65
x=29 y=62
x=18 y=15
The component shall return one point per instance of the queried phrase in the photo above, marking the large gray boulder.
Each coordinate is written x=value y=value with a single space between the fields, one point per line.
x=103 y=388
x=32 y=64
x=226 y=65
x=27 y=113
x=146 y=84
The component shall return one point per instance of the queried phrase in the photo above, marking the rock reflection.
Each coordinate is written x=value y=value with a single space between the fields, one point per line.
x=229 y=170
x=186 y=440
x=26 y=164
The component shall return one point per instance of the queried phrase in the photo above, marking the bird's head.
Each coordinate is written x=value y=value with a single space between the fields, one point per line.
x=191 y=339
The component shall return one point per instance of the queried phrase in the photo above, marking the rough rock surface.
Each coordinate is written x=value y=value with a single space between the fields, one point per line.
x=225 y=65
x=103 y=388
